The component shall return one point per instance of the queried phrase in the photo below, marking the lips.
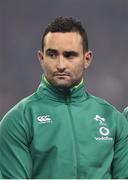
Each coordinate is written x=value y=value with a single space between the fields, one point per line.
x=61 y=74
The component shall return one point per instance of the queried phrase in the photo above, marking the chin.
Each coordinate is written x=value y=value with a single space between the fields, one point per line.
x=63 y=84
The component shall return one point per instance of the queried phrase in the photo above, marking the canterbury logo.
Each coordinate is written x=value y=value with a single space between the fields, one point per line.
x=44 y=119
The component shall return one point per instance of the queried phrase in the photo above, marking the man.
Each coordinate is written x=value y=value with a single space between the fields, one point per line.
x=62 y=131
x=125 y=112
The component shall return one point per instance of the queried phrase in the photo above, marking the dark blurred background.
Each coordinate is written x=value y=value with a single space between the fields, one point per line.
x=21 y=26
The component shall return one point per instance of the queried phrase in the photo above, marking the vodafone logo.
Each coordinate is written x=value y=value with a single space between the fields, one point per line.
x=104 y=131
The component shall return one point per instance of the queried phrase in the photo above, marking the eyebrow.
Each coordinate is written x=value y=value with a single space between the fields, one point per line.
x=70 y=53
x=51 y=51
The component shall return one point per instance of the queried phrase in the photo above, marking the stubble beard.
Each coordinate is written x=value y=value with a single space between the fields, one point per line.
x=60 y=84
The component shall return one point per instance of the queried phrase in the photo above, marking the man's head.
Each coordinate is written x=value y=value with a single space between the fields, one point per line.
x=66 y=24
x=64 y=56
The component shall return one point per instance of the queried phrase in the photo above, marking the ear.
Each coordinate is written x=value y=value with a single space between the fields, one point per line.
x=40 y=56
x=88 y=59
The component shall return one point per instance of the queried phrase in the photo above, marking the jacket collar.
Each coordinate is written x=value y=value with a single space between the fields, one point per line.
x=48 y=91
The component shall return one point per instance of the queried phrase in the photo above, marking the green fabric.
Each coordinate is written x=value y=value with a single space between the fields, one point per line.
x=125 y=112
x=56 y=134
x=0 y=175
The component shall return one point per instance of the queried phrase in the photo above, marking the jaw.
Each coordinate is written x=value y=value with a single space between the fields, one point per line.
x=64 y=82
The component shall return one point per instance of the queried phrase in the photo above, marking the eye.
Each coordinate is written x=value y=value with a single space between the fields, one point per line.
x=52 y=53
x=70 y=54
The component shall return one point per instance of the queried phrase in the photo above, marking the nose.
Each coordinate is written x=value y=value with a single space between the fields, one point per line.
x=61 y=66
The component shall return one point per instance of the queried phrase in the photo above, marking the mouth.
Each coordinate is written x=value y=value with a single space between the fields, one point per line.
x=62 y=76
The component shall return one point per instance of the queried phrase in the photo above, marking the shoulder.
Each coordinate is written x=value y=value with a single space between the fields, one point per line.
x=18 y=111
x=110 y=113
x=17 y=122
x=102 y=103
x=104 y=107
x=125 y=112
x=16 y=125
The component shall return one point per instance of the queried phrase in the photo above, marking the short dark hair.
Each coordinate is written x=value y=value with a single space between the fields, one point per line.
x=66 y=24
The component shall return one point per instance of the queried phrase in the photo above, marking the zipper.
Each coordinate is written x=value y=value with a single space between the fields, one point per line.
x=67 y=100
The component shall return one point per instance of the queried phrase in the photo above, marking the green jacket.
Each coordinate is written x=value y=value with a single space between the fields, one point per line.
x=0 y=175
x=126 y=112
x=63 y=134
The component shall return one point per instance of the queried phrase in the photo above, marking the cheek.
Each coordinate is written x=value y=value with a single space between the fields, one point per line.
x=79 y=69
x=48 y=68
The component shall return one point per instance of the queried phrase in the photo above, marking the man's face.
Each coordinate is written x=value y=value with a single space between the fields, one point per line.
x=63 y=60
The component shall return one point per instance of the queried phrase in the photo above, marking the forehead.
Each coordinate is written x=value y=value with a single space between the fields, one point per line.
x=61 y=41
